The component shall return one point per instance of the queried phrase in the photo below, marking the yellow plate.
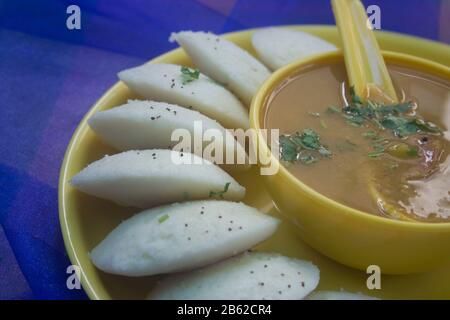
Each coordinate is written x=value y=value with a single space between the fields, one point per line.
x=86 y=220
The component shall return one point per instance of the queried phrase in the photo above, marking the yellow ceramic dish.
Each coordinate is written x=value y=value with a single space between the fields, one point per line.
x=86 y=220
x=347 y=235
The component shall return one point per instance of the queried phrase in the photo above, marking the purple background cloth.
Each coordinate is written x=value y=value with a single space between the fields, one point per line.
x=50 y=77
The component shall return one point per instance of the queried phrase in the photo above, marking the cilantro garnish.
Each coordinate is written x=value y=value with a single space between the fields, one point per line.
x=378 y=147
x=304 y=147
x=189 y=75
x=163 y=218
x=400 y=119
x=220 y=193
x=288 y=149
x=396 y=117
x=377 y=153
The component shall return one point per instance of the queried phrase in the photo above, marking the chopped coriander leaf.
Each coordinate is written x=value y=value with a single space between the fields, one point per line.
x=323 y=124
x=379 y=140
x=375 y=154
x=425 y=126
x=354 y=122
x=308 y=140
x=378 y=148
x=403 y=127
x=397 y=108
x=163 y=218
x=302 y=146
x=220 y=193
x=396 y=117
x=189 y=75
x=288 y=149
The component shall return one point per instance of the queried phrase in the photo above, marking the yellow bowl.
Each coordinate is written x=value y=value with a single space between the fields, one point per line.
x=349 y=236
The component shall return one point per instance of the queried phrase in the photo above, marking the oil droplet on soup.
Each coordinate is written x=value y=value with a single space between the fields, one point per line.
x=381 y=168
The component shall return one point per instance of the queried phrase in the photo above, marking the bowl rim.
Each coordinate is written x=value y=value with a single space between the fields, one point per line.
x=257 y=108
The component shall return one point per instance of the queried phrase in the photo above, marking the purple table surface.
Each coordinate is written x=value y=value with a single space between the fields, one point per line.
x=51 y=76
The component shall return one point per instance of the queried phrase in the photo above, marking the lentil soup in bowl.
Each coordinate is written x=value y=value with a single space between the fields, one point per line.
x=365 y=183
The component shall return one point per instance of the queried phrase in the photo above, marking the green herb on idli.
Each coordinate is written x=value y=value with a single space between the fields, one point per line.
x=163 y=218
x=220 y=193
x=189 y=75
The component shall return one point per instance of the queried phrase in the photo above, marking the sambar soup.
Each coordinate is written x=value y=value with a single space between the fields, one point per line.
x=390 y=160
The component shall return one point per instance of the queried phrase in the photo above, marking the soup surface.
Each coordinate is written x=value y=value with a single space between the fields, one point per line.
x=392 y=161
